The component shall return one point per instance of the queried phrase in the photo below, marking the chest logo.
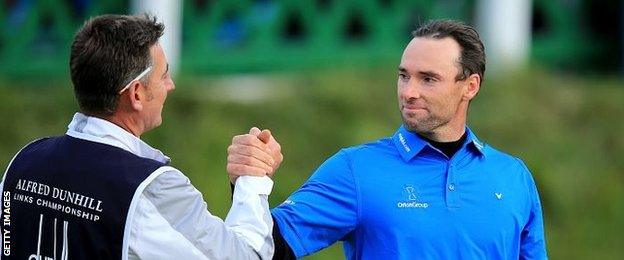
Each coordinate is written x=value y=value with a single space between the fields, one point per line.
x=409 y=193
x=498 y=195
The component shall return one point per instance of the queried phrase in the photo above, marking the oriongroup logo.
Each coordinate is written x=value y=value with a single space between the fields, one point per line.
x=410 y=194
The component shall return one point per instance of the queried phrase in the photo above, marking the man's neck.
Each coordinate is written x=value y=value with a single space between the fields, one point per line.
x=126 y=123
x=452 y=130
x=445 y=134
x=448 y=148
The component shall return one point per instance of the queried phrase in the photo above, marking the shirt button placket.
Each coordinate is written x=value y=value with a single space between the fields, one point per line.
x=452 y=196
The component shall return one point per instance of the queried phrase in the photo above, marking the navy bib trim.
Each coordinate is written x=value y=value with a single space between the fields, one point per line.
x=133 y=205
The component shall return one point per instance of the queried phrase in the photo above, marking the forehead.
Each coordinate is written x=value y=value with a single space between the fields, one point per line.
x=429 y=54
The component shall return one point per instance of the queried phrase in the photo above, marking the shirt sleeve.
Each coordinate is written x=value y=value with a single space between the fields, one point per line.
x=171 y=221
x=323 y=210
x=532 y=242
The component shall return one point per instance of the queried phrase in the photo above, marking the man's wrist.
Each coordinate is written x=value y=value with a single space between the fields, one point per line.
x=256 y=184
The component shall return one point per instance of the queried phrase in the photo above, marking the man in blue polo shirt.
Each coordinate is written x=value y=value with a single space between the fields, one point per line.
x=432 y=190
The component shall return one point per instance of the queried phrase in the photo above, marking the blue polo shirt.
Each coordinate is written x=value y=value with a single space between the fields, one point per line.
x=400 y=198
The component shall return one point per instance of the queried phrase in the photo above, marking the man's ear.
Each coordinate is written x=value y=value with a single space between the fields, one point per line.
x=135 y=96
x=473 y=84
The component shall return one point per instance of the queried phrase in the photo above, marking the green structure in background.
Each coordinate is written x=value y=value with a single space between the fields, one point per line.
x=275 y=35
x=262 y=35
x=36 y=34
x=578 y=35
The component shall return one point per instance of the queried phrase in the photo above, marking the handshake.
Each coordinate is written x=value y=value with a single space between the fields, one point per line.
x=255 y=154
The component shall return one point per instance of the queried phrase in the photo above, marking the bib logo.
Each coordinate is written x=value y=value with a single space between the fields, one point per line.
x=410 y=194
x=64 y=252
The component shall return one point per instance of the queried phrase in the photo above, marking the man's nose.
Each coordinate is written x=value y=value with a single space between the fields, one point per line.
x=411 y=90
x=170 y=86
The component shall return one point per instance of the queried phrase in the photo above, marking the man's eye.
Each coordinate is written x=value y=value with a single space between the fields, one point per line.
x=429 y=80
x=403 y=77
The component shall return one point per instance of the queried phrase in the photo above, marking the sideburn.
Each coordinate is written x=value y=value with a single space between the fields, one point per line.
x=148 y=93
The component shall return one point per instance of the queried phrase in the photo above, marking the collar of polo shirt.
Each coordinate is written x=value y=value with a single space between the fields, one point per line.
x=410 y=144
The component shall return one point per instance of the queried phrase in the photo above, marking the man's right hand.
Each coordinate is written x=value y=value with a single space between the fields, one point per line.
x=255 y=154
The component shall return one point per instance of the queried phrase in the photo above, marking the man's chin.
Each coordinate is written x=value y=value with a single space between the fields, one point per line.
x=155 y=124
x=412 y=128
x=415 y=126
x=411 y=125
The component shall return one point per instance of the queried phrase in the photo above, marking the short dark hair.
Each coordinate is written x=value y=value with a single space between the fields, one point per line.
x=106 y=54
x=472 y=58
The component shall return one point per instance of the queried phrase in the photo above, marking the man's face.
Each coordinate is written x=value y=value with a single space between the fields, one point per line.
x=429 y=96
x=159 y=84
